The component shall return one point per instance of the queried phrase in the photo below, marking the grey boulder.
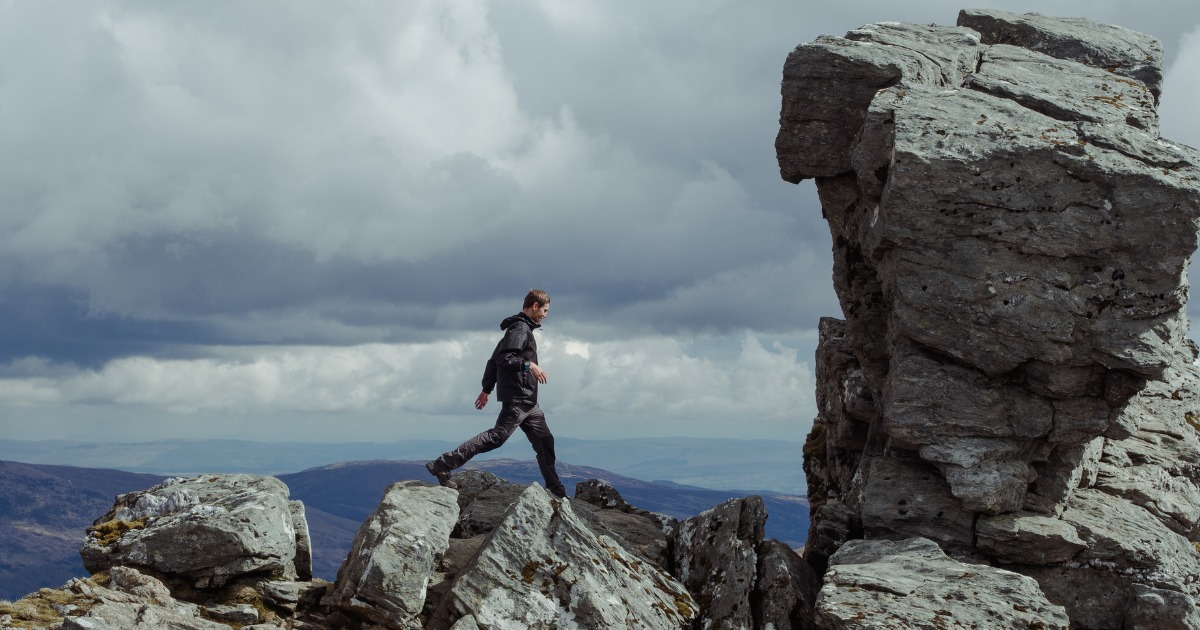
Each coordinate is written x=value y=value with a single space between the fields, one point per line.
x=207 y=530
x=543 y=568
x=716 y=557
x=912 y=584
x=385 y=577
x=134 y=600
x=1118 y=50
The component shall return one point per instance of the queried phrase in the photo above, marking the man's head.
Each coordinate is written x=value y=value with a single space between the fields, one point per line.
x=537 y=305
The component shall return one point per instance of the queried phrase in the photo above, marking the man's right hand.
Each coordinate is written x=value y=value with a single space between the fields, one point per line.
x=481 y=400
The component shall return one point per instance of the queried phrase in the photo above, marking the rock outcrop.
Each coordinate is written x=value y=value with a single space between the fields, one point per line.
x=490 y=554
x=1012 y=379
x=912 y=584
x=716 y=550
x=1009 y=413
x=205 y=530
x=132 y=600
x=542 y=567
x=388 y=570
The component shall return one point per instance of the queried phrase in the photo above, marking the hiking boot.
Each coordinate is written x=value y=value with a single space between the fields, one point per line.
x=442 y=474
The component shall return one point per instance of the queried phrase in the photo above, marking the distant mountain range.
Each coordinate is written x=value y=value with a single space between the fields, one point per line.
x=748 y=465
x=44 y=509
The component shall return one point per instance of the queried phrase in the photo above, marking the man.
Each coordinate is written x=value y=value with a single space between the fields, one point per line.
x=513 y=370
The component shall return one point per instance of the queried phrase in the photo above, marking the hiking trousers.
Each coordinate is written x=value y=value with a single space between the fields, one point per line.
x=532 y=421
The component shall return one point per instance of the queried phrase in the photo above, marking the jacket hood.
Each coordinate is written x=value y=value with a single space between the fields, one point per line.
x=512 y=319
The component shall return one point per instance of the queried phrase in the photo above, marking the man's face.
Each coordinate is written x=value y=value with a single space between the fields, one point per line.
x=538 y=312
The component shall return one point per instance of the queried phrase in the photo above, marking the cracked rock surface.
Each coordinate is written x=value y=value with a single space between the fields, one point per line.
x=542 y=567
x=1011 y=236
x=489 y=554
x=206 y=530
x=912 y=584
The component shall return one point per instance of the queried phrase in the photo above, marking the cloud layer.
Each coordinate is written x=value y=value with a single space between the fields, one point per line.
x=654 y=386
x=280 y=216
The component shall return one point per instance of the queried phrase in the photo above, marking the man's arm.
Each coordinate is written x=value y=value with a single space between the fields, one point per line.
x=489 y=383
x=489 y=376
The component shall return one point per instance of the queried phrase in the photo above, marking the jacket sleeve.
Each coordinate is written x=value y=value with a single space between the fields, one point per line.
x=489 y=376
x=509 y=354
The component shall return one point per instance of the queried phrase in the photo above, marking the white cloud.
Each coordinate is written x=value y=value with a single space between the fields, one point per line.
x=694 y=386
x=29 y=392
x=184 y=178
x=338 y=144
x=380 y=134
x=665 y=377
x=1181 y=92
x=422 y=378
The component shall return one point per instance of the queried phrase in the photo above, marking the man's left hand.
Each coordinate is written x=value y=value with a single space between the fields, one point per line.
x=538 y=372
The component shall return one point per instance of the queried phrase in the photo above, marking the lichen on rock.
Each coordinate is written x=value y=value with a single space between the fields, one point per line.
x=206 y=530
x=1011 y=236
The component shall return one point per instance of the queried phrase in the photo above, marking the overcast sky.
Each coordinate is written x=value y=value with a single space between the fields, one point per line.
x=305 y=220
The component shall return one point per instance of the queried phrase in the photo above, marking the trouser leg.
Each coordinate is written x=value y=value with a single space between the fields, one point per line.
x=490 y=440
x=538 y=432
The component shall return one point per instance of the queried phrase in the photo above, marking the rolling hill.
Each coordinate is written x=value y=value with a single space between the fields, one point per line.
x=44 y=511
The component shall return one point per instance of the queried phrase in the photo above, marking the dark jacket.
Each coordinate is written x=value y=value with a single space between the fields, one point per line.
x=505 y=370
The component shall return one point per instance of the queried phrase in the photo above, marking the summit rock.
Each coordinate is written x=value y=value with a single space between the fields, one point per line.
x=1012 y=378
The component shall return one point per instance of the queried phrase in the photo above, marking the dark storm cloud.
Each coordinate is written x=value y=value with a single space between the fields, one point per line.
x=55 y=323
x=392 y=173
x=279 y=206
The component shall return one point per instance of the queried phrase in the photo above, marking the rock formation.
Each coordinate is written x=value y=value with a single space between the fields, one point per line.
x=205 y=530
x=542 y=567
x=386 y=575
x=222 y=551
x=912 y=584
x=1009 y=415
x=1012 y=381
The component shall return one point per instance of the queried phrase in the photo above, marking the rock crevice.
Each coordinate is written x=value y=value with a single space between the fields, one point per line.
x=1011 y=236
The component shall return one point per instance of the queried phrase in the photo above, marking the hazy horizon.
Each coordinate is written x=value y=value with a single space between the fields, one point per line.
x=721 y=463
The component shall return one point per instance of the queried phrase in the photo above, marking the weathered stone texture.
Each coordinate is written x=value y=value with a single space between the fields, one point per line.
x=207 y=530
x=303 y=561
x=543 y=568
x=1091 y=43
x=483 y=498
x=385 y=576
x=903 y=498
x=134 y=600
x=717 y=558
x=645 y=534
x=784 y=594
x=489 y=554
x=1010 y=241
x=912 y=584
x=1028 y=539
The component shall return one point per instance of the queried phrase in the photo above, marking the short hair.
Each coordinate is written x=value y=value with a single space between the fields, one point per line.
x=536 y=296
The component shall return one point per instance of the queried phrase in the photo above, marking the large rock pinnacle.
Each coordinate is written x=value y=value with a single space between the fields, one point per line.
x=1011 y=236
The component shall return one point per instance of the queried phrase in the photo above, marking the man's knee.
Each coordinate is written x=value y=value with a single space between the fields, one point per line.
x=538 y=435
x=536 y=428
x=498 y=436
x=543 y=446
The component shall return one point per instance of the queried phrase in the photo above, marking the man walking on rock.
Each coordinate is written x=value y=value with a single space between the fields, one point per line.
x=513 y=370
